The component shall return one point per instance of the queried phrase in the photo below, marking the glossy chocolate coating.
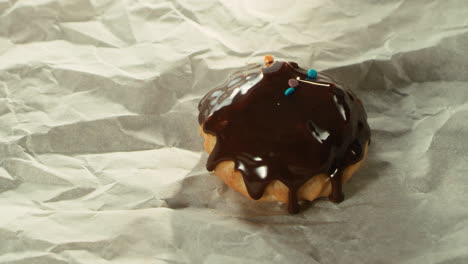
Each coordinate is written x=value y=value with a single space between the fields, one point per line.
x=320 y=128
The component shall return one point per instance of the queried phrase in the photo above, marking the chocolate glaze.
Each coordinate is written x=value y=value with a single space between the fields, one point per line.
x=321 y=128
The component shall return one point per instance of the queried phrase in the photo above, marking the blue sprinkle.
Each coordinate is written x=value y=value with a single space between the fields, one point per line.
x=289 y=91
x=312 y=73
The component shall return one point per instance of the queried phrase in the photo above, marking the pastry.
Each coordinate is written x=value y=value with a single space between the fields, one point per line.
x=277 y=132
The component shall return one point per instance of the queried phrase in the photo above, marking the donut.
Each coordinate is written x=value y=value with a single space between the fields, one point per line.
x=279 y=133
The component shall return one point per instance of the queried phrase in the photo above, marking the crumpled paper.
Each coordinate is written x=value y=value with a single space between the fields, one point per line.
x=101 y=161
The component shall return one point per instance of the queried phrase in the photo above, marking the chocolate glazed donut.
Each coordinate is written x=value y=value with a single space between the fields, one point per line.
x=273 y=131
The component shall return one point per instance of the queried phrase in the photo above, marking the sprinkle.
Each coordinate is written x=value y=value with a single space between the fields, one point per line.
x=293 y=82
x=315 y=83
x=312 y=73
x=289 y=91
x=268 y=59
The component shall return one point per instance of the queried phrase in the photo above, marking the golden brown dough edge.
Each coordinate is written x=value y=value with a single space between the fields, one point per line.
x=317 y=186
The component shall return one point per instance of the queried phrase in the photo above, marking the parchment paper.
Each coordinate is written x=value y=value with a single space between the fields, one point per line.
x=101 y=161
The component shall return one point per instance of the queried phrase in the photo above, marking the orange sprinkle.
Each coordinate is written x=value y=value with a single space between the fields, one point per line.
x=268 y=60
